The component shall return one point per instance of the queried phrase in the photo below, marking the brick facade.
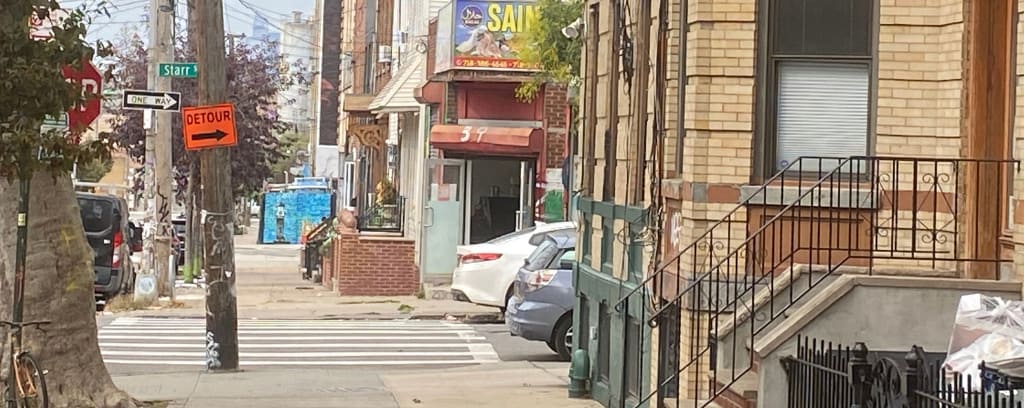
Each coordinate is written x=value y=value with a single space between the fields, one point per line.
x=556 y=102
x=919 y=108
x=363 y=265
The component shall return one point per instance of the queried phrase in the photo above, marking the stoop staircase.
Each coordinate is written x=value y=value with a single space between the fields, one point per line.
x=788 y=238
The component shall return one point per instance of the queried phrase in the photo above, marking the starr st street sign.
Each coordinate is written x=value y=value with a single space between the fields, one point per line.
x=165 y=101
x=179 y=69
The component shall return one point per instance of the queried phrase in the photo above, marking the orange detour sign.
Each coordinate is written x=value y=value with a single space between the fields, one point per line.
x=208 y=127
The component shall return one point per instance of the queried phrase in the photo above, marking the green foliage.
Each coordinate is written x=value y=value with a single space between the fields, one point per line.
x=32 y=88
x=255 y=76
x=558 y=56
x=94 y=170
x=293 y=145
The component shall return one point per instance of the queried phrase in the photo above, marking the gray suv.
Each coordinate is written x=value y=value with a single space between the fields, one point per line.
x=113 y=238
x=543 y=297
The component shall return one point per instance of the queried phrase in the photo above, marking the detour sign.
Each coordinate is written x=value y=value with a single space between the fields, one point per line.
x=209 y=127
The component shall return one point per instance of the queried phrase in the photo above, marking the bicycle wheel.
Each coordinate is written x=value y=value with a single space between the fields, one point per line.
x=31 y=384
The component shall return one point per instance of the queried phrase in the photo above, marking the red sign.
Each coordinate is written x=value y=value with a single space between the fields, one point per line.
x=84 y=114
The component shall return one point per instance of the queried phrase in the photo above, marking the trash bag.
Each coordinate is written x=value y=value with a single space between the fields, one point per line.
x=987 y=330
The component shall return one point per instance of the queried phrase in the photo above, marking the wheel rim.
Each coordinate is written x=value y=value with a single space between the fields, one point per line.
x=568 y=339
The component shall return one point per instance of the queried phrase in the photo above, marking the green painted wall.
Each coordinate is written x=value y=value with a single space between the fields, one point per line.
x=597 y=287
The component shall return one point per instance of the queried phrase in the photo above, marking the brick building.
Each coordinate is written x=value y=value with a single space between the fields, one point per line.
x=820 y=140
x=495 y=161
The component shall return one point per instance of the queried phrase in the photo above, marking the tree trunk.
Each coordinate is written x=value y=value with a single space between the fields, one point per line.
x=59 y=288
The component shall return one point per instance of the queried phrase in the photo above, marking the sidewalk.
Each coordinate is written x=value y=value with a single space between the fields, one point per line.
x=502 y=385
x=269 y=286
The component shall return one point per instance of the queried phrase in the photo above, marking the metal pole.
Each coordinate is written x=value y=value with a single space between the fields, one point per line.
x=21 y=253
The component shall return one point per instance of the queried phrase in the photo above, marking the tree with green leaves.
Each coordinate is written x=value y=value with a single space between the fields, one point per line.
x=93 y=170
x=58 y=270
x=558 y=56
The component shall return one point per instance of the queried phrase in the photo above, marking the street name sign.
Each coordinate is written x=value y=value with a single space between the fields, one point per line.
x=55 y=123
x=179 y=69
x=139 y=100
x=208 y=127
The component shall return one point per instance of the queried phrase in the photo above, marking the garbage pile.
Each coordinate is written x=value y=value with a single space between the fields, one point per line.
x=990 y=331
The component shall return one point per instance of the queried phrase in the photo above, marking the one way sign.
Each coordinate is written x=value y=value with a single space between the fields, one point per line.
x=165 y=101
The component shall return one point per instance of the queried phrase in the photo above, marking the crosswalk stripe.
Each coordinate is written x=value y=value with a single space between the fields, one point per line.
x=182 y=342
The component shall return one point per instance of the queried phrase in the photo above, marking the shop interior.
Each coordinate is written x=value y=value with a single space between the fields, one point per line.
x=494 y=197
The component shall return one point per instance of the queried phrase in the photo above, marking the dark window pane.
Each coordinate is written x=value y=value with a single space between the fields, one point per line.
x=822 y=27
x=604 y=334
x=633 y=357
x=97 y=215
x=582 y=331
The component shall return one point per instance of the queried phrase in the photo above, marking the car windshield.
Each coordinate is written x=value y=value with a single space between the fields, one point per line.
x=512 y=235
x=97 y=215
x=541 y=257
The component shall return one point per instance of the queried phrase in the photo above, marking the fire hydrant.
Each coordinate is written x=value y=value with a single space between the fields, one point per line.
x=579 y=374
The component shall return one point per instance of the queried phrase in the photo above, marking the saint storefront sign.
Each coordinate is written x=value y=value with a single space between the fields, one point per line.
x=486 y=35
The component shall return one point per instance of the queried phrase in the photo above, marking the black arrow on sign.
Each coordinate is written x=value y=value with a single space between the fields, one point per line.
x=217 y=134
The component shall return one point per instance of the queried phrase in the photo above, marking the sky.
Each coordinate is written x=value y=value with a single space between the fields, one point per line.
x=239 y=15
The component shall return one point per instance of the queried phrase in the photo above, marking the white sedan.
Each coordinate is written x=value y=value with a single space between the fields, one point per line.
x=486 y=271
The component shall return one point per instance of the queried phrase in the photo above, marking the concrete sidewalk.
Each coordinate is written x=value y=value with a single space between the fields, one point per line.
x=520 y=384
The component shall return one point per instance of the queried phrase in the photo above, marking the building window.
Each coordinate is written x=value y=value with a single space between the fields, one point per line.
x=633 y=357
x=819 y=81
x=582 y=331
x=604 y=335
x=590 y=102
x=611 y=135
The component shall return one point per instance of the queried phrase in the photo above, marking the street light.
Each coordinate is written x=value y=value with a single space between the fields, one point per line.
x=573 y=29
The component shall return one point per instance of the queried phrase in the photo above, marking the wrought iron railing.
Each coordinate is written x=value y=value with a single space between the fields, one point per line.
x=829 y=375
x=383 y=217
x=790 y=234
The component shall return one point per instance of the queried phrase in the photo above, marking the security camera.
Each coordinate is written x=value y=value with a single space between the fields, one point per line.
x=573 y=30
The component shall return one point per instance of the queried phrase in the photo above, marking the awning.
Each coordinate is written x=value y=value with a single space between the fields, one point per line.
x=397 y=95
x=487 y=140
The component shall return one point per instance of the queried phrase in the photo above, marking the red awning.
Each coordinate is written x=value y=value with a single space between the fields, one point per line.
x=487 y=140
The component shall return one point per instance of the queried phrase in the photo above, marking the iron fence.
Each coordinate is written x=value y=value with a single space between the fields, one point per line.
x=826 y=375
x=383 y=217
x=818 y=215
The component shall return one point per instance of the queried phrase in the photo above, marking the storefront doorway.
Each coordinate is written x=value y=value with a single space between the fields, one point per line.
x=496 y=200
x=472 y=200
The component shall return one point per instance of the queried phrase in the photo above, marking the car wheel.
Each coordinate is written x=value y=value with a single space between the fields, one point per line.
x=508 y=296
x=561 y=339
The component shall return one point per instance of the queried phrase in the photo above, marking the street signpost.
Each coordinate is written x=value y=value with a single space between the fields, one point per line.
x=141 y=100
x=58 y=123
x=83 y=115
x=208 y=127
x=179 y=70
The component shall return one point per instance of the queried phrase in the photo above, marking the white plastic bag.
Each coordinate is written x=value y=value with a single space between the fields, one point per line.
x=990 y=330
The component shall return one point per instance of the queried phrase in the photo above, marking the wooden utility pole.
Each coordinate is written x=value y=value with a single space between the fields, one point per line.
x=206 y=24
x=164 y=268
x=156 y=277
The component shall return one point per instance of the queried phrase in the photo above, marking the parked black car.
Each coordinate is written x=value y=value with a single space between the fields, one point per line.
x=113 y=238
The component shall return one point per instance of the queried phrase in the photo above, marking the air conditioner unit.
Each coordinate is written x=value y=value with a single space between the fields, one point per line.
x=384 y=54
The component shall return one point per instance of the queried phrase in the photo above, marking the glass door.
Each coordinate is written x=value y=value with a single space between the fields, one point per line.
x=442 y=217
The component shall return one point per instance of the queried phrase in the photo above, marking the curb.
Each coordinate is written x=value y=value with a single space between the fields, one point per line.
x=470 y=318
